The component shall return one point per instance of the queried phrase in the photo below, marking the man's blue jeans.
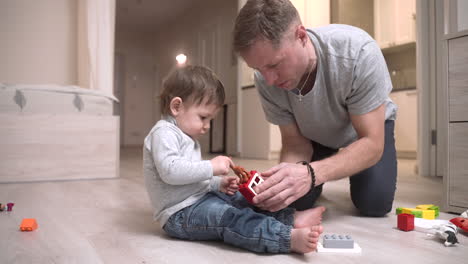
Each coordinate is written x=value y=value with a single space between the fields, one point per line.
x=373 y=189
x=232 y=219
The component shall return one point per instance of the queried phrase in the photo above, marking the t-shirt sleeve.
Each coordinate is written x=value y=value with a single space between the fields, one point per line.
x=371 y=81
x=273 y=102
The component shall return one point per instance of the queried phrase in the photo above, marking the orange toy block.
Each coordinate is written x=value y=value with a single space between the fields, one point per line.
x=28 y=224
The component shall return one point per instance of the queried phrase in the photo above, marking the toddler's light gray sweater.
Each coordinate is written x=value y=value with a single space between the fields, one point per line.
x=175 y=175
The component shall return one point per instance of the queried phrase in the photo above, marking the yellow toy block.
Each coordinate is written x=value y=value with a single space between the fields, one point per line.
x=432 y=207
x=424 y=206
x=416 y=212
x=426 y=211
x=405 y=210
x=428 y=214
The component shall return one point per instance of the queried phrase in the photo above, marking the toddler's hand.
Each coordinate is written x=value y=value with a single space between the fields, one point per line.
x=221 y=165
x=229 y=185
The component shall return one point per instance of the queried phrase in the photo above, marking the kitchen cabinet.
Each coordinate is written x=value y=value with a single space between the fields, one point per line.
x=313 y=13
x=394 y=22
x=456 y=178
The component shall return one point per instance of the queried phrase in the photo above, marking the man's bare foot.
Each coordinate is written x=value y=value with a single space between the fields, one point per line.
x=304 y=240
x=309 y=217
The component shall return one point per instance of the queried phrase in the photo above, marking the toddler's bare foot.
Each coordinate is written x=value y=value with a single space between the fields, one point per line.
x=304 y=240
x=309 y=217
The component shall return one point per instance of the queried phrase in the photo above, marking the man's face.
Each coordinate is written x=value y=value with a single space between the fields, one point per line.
x=281 y=66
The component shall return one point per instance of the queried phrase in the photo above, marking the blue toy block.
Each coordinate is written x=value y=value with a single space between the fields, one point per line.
x=338 y=241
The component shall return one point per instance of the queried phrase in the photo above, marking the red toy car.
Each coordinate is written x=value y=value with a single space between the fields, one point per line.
x=247 y=182
x=246 y=189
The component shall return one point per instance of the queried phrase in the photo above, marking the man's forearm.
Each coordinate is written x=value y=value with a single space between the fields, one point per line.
x=356 y=157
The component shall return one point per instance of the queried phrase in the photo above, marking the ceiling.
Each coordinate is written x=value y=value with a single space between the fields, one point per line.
x=148 y=15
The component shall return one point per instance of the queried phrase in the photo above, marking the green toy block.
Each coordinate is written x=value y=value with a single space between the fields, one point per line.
x=416 y=212
x=436 y=209
x=399 y=210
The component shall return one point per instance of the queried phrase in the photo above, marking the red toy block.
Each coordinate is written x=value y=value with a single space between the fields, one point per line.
x=405 y=222
x=460 y=222
x=10 y=207
x=246 y=189
x=28 y=224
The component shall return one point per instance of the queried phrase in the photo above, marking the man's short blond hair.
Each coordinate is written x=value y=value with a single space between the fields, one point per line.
x=263 y=19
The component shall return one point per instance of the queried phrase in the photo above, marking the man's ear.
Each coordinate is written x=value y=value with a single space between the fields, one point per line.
x=301 y=33
x=176 y=106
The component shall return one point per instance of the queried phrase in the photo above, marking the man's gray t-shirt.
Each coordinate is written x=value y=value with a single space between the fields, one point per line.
x=352 y=78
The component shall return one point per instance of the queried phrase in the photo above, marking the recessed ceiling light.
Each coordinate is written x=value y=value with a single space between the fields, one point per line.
x=181 y=59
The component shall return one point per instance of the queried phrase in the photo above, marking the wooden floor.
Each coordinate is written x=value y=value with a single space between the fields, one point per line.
x=110 y=221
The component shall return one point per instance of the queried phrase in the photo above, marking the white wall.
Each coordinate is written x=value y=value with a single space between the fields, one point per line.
x=38 y=41
x=185 y=34
x=255 y=130
x=139 y=109
x=462 y=18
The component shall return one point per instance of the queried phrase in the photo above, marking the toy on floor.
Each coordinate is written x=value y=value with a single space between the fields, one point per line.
x=28 y=224
x=435 y=228
x=338 y=241
x=426 y=211
x=8 y=207
x=461 y=221
x=405 y=222
x=425 y=225
x=247 y=182
x=447 y=232
x=338 y=244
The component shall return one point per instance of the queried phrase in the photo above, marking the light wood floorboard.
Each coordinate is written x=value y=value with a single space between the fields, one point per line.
x=110 y=221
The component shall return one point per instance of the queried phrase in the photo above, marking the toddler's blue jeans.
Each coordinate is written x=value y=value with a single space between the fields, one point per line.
x=232 y=219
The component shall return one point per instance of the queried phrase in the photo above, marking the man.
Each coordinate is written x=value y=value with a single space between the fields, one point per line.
x=327 y=90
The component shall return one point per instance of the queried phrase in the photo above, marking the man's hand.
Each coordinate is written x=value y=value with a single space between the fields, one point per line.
x=284 y=184
x=229 y=185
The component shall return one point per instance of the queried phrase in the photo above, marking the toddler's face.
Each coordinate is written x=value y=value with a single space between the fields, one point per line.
x=194 y=120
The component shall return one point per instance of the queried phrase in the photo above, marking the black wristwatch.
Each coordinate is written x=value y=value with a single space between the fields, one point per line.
x=311 y=172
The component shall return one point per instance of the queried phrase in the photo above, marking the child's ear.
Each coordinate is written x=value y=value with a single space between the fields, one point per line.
x=176 y=106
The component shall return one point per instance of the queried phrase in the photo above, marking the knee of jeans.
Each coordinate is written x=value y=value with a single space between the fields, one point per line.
x=373 y=209
x=380 y=212
x=373 y=206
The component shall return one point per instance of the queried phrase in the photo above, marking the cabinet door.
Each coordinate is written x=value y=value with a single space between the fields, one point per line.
x=300 y=6
x=458 y=79
x=405 y=24
x=317 y=13
x=457 y=166
x=313 y=13
x=395 y=22
x=384 y=20
x=405 y=126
